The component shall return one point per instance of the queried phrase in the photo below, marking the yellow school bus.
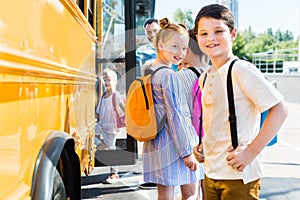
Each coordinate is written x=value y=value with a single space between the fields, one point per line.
x=47 y=100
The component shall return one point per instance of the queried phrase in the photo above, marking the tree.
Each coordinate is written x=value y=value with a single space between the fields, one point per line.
x=287 y=36
x=248 y=35
x=287 y=44
x=267 y=41
x=239 y=46
x=184 y=17
x=270 y=32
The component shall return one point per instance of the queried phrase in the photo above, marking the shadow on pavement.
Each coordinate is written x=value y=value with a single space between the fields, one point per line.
x=94 y=188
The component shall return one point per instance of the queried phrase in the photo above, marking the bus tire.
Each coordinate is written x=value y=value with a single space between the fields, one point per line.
x=59 y=192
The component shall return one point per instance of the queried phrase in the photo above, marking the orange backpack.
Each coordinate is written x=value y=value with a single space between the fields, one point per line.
x=140 y=113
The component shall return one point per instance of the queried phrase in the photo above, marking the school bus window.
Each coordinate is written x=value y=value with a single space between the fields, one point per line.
x=80 y=4
x=88 y=9
x=91 y=13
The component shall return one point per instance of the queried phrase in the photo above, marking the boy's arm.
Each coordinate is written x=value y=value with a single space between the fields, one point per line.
x=238 y=159
x=271 y=126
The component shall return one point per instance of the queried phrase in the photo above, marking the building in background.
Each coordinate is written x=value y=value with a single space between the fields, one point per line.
x=233 y=5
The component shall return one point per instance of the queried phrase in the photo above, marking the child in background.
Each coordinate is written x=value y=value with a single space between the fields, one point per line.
x=197 y=59
x=183 y=64
x=233 y=173
x=106 y=116
x=194 y=58
x=168 y=160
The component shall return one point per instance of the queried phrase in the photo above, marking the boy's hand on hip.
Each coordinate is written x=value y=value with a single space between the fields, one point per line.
x=240 y=157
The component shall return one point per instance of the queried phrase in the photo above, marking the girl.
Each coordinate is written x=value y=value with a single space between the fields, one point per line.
x=168 y=160
x=106 y=116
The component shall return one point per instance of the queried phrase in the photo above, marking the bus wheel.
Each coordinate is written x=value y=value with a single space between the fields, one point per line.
x=59 y=191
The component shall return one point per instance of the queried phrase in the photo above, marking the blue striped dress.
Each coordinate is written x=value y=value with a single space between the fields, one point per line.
x=163 y=157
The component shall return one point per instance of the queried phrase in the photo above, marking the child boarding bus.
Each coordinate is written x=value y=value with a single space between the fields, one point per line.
x=47 y=100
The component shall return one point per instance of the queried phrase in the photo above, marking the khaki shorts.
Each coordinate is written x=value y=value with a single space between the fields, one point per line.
x=231 y=189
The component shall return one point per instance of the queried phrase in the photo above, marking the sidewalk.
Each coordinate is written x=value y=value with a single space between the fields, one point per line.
x=281 y=163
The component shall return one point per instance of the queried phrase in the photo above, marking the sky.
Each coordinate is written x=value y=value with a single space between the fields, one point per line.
x=259 y=14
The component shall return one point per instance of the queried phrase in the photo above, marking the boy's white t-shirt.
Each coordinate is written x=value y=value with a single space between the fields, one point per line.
x=253 y=94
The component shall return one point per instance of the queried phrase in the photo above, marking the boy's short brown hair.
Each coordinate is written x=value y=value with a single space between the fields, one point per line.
x=216 y=11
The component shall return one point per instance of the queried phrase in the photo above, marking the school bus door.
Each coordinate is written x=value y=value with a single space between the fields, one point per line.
x=118 y=32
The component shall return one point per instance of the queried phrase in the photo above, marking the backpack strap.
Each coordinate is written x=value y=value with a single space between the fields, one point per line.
x=147 y=72
x=114 y=102
x=164 y=118
x=195 y=71
x=204 y=79
x=200 y=118
x=232 y=116
x=159 y=68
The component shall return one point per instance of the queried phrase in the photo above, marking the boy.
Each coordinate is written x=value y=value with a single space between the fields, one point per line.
x=233 y=173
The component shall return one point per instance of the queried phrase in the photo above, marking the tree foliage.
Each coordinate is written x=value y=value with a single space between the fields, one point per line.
x=184 y=17
x=239 y=46
x=248 y=42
